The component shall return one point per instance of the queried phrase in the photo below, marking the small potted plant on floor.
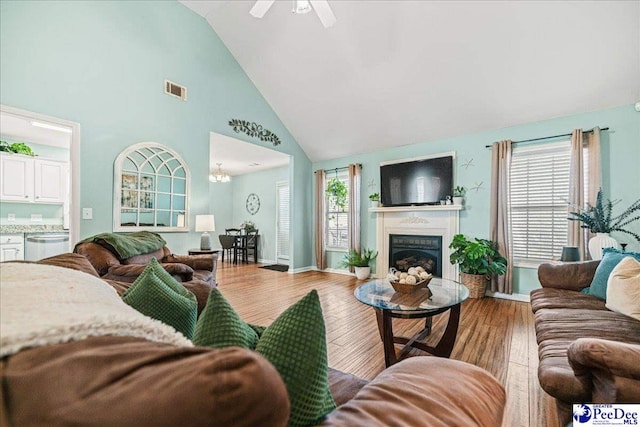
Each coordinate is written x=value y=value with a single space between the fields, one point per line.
x=478 y=260
x=375 y=200
x=361 y=261
x=458 y=195
x=599 y=219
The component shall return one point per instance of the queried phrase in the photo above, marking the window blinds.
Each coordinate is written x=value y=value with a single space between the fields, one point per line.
x=283 y=221
x=539 y=183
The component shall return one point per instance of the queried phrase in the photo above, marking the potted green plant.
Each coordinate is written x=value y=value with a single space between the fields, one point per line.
x=375 y=199
x=458 y=195
x=478 y=260
x=337 y=191
x=599 y=219
x=361 y=261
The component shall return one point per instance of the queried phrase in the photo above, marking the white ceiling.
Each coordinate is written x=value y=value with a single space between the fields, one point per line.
x=392 y=73
x=19 y=128
x=238 y=157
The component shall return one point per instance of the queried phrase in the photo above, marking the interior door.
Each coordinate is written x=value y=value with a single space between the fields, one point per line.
x=282 y=223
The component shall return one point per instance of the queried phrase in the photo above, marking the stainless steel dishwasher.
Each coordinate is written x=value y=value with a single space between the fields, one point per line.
x=43 y=245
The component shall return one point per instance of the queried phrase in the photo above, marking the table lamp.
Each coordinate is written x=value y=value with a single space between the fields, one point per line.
x=204 y=224
x=570 y=254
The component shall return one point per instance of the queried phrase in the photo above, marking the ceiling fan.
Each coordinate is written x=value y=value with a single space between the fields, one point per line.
x=322 y=8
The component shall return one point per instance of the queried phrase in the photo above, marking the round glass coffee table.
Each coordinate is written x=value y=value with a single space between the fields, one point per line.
x=439 y=296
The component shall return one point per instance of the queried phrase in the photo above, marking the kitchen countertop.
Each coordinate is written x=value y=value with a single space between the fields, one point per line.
x=27 y=228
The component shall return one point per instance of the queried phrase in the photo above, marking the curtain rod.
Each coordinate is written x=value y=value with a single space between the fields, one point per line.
x=340 y=169
x=548 y=137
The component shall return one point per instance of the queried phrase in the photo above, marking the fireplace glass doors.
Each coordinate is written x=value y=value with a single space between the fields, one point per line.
x=407 y=251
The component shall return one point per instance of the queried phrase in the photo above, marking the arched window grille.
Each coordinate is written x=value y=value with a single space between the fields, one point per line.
x=151 y=189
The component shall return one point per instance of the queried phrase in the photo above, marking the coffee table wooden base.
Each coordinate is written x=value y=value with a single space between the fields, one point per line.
x=442 y=349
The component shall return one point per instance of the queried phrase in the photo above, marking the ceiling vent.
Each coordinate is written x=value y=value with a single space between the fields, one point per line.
x=174 y=89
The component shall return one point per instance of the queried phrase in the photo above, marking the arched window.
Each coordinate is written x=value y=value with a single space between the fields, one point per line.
x=151 y=189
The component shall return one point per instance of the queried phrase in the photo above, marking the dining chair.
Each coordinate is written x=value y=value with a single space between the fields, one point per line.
x=249 y=244
x=228 y=243
x=232 y=231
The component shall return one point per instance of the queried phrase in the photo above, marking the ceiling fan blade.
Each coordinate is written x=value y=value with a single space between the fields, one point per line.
x=260 y=8
x=324 y=12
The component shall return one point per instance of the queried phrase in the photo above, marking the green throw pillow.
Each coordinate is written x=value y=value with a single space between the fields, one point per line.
x=220 y=326
x=610 y=258
x=295 y=343
x=158 y=295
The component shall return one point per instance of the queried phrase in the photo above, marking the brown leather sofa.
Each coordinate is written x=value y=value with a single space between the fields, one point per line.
x=196 y=272
x=112 y=380
x=588 y=354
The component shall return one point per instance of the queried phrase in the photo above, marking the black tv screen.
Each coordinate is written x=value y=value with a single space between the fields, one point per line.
x=416 y=182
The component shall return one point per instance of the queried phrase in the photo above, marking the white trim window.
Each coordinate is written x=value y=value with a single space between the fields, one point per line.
x=539 y=190
x=336 y=218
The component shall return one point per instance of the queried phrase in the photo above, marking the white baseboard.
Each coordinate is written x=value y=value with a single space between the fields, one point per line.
x=513 y=297
x=338 y=271
x=300 y=270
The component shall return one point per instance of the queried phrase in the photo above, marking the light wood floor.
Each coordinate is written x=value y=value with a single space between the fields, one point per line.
x=494 y=334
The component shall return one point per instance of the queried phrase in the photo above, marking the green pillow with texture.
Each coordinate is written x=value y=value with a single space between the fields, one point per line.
x=158 y=295
x=220 y=326
x=295 y=343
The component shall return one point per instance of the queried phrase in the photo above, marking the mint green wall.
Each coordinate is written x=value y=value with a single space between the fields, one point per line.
x=103 y=64
x=51 y=214
x=263 y=184
x=620 y=157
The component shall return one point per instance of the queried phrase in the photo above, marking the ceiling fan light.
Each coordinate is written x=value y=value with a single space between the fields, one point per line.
x=301 y=6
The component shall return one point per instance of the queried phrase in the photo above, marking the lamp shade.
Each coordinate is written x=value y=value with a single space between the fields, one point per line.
x=570 y=254
x=205 y=223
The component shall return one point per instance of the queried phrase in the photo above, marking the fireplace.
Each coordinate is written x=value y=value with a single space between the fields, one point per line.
x=409 y=250
x=422 y=232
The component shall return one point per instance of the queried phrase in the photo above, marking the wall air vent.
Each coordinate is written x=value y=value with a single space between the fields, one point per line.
x=174 y=89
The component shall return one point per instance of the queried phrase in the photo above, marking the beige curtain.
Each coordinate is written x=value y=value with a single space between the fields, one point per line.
x=355 y=177
x=499 y=213
x=581 y=141
x=321 y=260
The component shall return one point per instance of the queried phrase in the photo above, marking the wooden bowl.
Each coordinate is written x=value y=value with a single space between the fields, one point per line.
x=407 y=288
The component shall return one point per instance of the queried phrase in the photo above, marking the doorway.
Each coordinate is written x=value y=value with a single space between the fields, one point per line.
x=55 y=135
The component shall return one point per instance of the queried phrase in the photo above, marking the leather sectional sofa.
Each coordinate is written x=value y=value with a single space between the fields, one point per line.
x=116 y=380
x=588 y=353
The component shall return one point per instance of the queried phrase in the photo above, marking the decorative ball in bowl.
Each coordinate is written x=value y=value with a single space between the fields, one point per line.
x=410 y=281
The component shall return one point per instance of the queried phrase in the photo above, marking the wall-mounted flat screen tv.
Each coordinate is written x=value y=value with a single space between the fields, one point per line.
x=416 y=182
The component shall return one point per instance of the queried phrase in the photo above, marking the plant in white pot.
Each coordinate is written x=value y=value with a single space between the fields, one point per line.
x=458 y=195
x=478 y=260
x=599 y=219
x=375 y=199
x=361 y=261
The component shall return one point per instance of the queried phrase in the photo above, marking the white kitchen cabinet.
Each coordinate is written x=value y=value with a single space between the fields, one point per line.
x=16 y=178
x=11 y=247
x=33 y=180
x=50 y=181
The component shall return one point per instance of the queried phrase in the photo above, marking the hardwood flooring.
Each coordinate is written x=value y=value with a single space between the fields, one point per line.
x=494 y=334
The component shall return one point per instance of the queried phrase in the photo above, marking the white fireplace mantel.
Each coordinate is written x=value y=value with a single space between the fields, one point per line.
x=438 y=220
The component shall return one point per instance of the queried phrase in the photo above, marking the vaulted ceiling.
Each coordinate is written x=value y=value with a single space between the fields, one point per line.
x=392 y=73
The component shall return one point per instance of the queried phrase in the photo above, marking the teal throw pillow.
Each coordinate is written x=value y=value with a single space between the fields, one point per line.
x=220 y=326
x=295 y=343
x=158 y=295
x=610 y=258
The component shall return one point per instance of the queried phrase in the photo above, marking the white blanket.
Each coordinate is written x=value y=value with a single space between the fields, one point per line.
x=43 y=305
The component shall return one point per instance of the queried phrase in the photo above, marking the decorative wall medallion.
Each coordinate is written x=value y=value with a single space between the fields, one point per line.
x=414 y=220
x=255 y=130
x=253 y=203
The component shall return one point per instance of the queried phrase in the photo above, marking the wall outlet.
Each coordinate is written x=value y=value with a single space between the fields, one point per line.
x=36 y=218
x=11 y=217
x=87 y=213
